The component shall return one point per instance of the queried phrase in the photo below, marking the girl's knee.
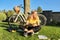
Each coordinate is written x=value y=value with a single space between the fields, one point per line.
x=25 y=29
x=30 y=31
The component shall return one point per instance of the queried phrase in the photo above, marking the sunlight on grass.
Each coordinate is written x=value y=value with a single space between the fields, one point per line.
x=52 y=32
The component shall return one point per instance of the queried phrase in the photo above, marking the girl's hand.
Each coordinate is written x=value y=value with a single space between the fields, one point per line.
x=34 y=25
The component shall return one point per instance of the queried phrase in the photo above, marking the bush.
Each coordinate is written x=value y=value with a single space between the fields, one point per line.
x=10 y=13
x=2 y=17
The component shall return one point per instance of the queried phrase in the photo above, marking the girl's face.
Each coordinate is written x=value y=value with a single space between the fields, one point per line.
x=34 y=14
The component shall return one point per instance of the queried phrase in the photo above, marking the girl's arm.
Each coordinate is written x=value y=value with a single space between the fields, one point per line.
x=38 y=21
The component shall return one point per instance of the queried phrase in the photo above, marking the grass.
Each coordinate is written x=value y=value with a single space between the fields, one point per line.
x=52 y=32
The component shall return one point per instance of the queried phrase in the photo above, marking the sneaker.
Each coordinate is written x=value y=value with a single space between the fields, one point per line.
x=36 y=33
x=25 y=34
x=13 y=30
x=33 y=33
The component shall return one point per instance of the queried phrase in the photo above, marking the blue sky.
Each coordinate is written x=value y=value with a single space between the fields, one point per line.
x=44 y=4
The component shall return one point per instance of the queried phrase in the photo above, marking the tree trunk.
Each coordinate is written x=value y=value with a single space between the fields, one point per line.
x=26 y=6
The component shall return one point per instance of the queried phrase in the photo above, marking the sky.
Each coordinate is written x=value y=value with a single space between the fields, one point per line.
x=44 y=4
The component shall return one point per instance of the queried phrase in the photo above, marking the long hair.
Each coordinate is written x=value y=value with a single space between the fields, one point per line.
x=29 y=17
x=35 y=15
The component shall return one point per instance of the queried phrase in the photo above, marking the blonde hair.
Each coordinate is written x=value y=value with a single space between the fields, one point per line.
x=33 y=18
x=35 y=14
x=33 y=11
x=29 y=17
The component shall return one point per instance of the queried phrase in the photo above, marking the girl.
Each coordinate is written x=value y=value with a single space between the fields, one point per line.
x=33 y=23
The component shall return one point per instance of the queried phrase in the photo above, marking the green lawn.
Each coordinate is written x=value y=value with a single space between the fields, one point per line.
x=52 y=32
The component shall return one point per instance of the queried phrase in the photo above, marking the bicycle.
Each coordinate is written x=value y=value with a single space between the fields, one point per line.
x=20 y=19
x=16 y=20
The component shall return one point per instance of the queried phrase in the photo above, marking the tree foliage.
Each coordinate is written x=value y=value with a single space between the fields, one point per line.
x=10 y=12
x=2 y=16
x=39 y=9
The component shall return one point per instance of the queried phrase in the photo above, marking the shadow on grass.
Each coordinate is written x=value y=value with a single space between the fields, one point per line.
x=53 y=25
x=10 y=27
x=4 y=25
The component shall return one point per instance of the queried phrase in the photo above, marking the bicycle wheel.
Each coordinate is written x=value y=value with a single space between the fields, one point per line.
x=12 y=19
x=43 y=19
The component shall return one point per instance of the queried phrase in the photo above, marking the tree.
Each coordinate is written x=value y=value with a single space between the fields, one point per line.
x=39 y=9
x=4 y=11
x=10 y=13
x=2 y=16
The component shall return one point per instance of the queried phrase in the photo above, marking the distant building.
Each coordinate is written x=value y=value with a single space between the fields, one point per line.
x=51 y=16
